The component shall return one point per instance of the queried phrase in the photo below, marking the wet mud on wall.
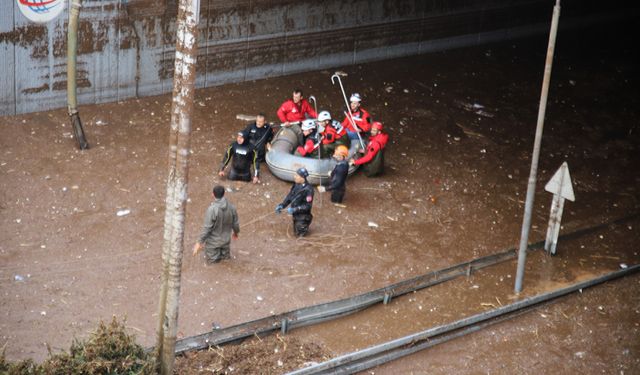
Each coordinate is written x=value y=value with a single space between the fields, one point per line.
x=127 y=48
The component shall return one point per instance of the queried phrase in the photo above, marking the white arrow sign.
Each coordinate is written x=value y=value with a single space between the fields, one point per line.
x=561 y=188
x=560 y=183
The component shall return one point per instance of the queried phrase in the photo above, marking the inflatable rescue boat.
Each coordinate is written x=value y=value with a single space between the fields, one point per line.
x=283 y=163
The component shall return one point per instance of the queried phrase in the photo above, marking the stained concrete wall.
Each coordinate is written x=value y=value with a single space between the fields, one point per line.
x=126 y=48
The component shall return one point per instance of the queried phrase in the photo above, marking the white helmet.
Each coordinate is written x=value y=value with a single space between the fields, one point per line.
x=324 y=115
x=308 y=125
x=355 y=97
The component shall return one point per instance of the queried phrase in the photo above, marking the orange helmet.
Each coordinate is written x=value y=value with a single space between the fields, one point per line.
x=377 y=125
x=342 y=150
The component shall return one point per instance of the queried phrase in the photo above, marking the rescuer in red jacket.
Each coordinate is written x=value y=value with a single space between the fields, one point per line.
x=295 y=109
x=373 y=160
x=361 y=118
x=312 y=139
x=334 y=134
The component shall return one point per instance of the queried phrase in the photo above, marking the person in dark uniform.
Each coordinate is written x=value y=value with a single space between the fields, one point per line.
x=259 y=136
x=243 y=156
x=300 y=198
x=338 y=175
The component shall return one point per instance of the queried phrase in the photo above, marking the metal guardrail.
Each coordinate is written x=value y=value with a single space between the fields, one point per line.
x=335 y=309
x=391 y=350
x=331 y=310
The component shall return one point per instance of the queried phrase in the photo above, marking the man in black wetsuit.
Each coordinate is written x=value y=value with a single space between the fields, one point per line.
x=243 y=156
x=259 y=136
x=338 y=175
x=300 y=198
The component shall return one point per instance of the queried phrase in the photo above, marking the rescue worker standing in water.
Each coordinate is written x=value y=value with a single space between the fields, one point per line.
x=220 y=225
x=300 y=199
x=373 y=160
x=338 y=175
x=259 y=136
x=243 y=156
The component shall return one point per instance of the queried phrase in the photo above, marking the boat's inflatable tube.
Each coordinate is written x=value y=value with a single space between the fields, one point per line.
x=283 y=164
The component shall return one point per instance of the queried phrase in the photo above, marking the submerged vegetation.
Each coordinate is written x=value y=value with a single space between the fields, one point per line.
x=108 y=350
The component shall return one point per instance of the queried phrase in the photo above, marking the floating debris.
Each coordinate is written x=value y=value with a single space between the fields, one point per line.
x=476 y=108
x=123 y=212
x=372 y=224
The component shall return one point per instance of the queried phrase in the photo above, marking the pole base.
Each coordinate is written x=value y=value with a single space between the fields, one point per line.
x=78 y=131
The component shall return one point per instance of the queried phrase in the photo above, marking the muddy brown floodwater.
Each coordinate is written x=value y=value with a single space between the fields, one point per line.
x=454 y=190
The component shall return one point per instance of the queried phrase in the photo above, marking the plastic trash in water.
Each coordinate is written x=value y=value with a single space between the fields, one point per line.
x=123 y=212
x=372 y=224
x=18 y=278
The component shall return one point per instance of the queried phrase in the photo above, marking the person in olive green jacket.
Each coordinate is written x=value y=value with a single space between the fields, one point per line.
x=220 y=221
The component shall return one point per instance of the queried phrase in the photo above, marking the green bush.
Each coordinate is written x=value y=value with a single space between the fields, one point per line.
x=109 y=350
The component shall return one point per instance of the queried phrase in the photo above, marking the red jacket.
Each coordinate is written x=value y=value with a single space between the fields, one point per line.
x=331 y=134
x=376 y=143
x=291 y=112
x=361 y=118
x=309 y=145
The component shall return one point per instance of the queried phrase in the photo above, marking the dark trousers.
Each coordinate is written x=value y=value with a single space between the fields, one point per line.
x=301 y=223
x=337 y=196
x=214 y=255
x=239 y=175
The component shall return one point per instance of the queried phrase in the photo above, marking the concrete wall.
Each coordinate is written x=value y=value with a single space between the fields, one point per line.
x=126 y=48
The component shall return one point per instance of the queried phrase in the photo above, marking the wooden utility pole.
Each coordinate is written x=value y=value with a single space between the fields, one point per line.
x=184 y=76
x=72 y=52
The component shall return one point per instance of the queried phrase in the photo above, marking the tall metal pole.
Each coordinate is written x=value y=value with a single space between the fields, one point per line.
x=526 y=221
x=346 y=102
x=176 y=200
x=72 y=52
